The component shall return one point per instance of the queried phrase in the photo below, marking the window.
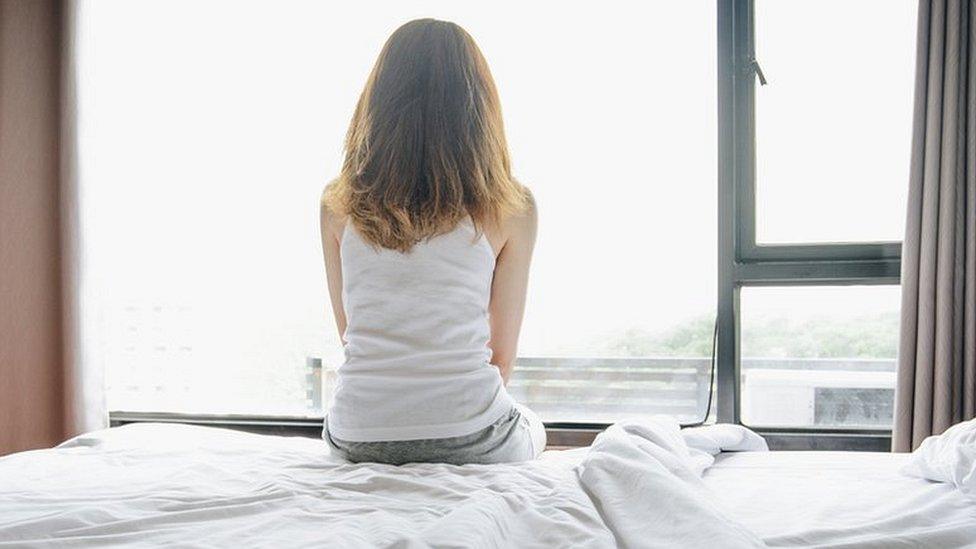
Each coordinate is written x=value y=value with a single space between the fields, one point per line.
x=209 y=130
x=812 y=179
x=819 y=356
x=833 y=125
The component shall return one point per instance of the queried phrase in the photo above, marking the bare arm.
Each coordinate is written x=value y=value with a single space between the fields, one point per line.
x=332 y=227
x=508 y=288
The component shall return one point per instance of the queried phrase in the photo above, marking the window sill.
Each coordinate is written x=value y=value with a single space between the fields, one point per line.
x=560 y=435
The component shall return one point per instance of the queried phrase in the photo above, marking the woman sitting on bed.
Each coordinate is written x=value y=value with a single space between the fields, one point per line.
x=427 y=240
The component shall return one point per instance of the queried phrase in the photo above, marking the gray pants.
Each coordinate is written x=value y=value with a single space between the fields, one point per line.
x=517 y=436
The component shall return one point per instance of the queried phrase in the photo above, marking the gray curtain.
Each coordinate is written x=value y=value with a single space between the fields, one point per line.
x=937 y=355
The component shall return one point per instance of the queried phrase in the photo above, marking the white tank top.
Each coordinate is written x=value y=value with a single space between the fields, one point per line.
x=417 y=358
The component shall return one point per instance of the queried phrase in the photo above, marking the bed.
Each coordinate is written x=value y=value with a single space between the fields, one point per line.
x=643 y=484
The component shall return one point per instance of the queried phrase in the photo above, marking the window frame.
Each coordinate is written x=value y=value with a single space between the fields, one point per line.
x=744 y=262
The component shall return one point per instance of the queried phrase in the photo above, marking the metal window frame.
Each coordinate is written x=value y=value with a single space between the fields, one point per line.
x=737 y=56
x=744 y=262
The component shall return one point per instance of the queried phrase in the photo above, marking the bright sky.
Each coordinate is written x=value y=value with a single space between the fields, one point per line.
x=209 y=128
x=833 y=126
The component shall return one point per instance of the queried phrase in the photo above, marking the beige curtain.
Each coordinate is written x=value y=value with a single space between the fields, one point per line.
x=937 y=356
x=44 y=396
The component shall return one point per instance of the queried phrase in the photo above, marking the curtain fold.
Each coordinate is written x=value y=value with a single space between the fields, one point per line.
x=45 y=394
x=936 y=381
x=84 y=390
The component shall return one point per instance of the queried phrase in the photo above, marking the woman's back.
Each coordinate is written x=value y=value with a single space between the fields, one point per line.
x=428 y=309
x=417 y=358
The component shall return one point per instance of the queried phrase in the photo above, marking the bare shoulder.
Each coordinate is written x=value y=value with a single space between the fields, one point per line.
x=331 y=219
x=523 y=223
x=518 y=227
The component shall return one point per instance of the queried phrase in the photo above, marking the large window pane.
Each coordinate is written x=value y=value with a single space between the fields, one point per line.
x=209 y=129
x=833 y=126
x=819 y=357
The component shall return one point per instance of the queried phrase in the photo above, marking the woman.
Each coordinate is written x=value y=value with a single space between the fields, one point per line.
x=427 y=240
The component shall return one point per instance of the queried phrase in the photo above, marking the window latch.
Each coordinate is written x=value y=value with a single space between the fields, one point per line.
x=758 y=70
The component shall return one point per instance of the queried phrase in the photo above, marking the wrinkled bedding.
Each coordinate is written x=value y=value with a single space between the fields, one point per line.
x=949 y=457
x=839 y=499
x=642 y=484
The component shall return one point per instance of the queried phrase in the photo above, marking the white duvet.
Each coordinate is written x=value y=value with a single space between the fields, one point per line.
x=638 y=486
x=949 y=457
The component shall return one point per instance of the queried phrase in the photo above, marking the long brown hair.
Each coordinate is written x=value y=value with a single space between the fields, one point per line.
x=426 y=147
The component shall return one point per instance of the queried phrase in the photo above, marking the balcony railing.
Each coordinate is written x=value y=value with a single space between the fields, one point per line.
x=789 y=392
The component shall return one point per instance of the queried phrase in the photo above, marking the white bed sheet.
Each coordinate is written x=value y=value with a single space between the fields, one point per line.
x=143 y=485
x=840 y=499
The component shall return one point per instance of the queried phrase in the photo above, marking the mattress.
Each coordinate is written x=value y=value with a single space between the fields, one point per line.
x=643 y=486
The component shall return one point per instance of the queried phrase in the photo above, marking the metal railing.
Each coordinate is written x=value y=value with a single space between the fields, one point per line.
x=818 y=391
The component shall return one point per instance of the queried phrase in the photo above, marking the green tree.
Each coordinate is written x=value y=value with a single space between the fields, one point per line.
x=867 y=336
